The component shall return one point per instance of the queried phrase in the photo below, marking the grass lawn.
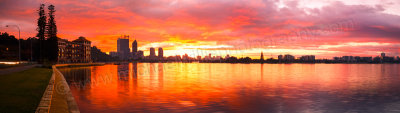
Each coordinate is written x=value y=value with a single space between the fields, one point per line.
x=20 y=92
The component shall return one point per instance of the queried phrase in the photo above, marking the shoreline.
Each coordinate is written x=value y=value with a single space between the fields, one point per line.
x=119 y=62
x=58 y=96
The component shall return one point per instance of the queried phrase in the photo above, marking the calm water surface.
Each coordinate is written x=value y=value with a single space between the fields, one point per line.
x=244 y=88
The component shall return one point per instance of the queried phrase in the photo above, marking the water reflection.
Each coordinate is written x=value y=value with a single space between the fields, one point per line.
x=134 y=76
x=123 y=79
x=198 y=87
x=123 y=72
x=79 y=77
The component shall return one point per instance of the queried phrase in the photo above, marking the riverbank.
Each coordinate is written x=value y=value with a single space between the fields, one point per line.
x=79 y=65
x=21 y=91
x=252 y=62
x=58 y=97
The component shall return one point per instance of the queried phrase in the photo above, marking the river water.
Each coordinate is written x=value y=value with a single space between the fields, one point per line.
x=242 y=88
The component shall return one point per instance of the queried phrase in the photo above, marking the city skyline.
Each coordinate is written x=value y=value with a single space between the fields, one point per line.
x=183 y=27
x=274 y=56
x=160 y=53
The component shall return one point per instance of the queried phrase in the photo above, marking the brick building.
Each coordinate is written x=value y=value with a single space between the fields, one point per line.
x=77 y=51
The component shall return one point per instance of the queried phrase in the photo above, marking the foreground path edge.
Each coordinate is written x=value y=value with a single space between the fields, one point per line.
x=59 y=86
x=16 y=69
x=45 y=102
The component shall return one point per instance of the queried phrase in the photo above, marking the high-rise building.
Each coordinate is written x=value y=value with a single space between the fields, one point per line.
x=123 y=47
x=134 y=47
x=152 y=52
x=383 y=55
x=134 y=50
x=160 y=53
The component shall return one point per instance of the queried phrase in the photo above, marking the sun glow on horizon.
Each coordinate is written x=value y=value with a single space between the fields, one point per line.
x=303 y=27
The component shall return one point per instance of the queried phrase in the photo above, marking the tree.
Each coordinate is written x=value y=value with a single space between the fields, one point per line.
x=51 y=26
x=41 y=31
x=52 y=44
x=8 y=47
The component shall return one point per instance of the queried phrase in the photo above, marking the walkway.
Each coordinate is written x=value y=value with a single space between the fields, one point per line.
x=16 y=69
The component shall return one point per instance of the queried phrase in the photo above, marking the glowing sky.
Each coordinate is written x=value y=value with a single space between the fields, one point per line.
x=235 y=27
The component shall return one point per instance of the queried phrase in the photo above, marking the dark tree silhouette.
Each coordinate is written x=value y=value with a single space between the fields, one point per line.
x=8 y=47
x=41 y=31
x=52 y=46
x=30 y=49
x=51 y=26
x=98 y=56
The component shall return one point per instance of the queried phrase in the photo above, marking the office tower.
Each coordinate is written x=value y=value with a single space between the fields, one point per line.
x=134 y=50
x=134 y=47
x=160 y=53
x=152 y=52
x=123 y=47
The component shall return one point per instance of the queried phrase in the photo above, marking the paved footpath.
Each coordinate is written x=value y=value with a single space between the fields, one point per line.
x=45 y=102
x=16 y=69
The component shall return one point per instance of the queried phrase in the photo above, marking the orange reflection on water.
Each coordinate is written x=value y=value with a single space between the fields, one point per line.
x=213 y=87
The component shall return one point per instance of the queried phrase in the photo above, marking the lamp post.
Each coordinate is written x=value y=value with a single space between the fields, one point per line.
x=31 y=51
x=19 y=41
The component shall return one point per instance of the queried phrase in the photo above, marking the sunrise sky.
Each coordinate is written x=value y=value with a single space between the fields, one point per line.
x=220 y=27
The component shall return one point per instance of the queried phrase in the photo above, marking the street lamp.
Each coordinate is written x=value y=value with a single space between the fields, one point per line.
x=19 y=41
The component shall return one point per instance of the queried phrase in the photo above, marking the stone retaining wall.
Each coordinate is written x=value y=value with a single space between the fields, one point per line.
x=45 y=102
x=58 y=97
